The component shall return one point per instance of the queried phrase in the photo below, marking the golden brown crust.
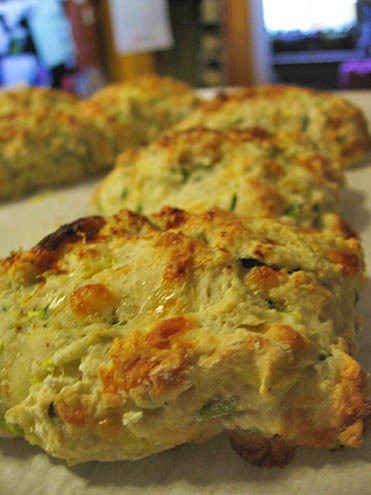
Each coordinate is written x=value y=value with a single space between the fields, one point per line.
x=155 y=361
x=149 y=82
x=46 y=142
x=352 y=412
x=339 y=226
x=250 y=172
x=138 y=334
x=287 y=335
x=136 y=111
x=92 y=300
x=330 y=123
x=348 y=262
x=73 y=413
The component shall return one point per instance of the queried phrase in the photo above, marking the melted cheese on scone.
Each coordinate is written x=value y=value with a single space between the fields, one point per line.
x=330 y=123
x=125 y=336
x=249 y=172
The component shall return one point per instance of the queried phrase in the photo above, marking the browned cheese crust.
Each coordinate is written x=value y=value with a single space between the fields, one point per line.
x=251 y=172
x=328 y=122
x=145 y=333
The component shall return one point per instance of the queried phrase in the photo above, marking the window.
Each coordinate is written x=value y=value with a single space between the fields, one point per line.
x=309 y=16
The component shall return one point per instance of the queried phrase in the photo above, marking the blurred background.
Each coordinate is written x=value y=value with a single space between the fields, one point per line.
x=81 y=45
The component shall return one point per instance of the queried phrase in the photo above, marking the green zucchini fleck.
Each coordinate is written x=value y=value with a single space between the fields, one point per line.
x=40 y=313
x=233 y=202
x=271 y=304
x=293 y=211
x=185 y=173
x=304 y=123
x=119 y=324
x=323 y=356
x=237 y=121
x=51 y=411
x=139 y=208
x=124 y=193
x=216 y=408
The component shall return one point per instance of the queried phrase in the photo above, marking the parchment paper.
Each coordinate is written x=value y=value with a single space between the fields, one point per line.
x=209 y=469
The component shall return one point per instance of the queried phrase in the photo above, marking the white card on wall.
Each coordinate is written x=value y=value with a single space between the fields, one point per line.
x=140 y=25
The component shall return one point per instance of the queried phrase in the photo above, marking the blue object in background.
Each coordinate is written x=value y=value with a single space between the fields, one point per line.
x=51 y=33
x=36 y=44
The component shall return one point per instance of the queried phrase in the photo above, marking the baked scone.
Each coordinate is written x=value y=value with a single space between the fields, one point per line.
x=328 y=122
x=251 y=172
x=126 y=336
x=46 y=142
x=136 y=111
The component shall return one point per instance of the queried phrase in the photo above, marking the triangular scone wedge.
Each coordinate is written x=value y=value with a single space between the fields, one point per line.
x=126 y=336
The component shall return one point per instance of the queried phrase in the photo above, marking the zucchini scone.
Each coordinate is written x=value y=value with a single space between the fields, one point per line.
x=126 y=336
x=328 y=122
x=135 y=112
x=251 y=172
x=46 y=142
